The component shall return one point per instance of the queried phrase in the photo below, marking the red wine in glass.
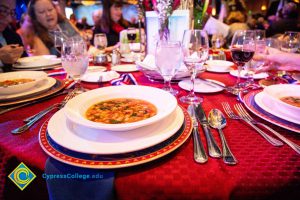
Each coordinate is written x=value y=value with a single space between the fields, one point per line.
x=58 y=48
x=241 y=56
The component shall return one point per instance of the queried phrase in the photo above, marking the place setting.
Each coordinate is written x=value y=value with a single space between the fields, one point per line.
x=115 y=141
x=32 y=63
x=25 y=86
x=277 y=104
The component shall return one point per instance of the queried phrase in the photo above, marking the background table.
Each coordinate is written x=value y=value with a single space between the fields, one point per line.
x=263 y=171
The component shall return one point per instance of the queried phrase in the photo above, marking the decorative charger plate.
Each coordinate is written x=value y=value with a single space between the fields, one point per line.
x=58 y=85
x=249 y=101
x=118 y=160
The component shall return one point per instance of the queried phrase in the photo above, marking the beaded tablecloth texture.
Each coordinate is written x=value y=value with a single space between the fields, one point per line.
x=263 y=171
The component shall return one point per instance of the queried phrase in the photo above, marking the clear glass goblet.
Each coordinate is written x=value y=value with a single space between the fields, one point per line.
x=100 y=41
x=75 y=60
x=168 y=57
x=195 y=45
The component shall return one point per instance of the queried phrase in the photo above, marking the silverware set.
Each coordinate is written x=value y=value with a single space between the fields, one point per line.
x=217 y=120
x=245 y=116
x=36 y=117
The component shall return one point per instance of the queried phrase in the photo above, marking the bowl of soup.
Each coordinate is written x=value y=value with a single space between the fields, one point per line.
x=286 y=96
x=18 y=82
x=120 y=108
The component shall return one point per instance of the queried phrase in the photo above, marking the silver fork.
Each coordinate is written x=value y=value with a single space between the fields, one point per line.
x=284 y=139
x=25 y=127
x=232 y=115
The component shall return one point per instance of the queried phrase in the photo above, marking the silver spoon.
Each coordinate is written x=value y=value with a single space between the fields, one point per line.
x=217 y=120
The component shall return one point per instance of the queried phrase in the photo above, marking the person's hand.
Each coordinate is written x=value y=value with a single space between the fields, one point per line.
x=9 y=54
x=278 y=61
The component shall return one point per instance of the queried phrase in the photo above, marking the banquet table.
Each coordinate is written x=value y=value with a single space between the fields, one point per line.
x=263 y=171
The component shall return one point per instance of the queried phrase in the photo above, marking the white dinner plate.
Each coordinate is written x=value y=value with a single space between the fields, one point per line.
x=271 y=107
x=124 y=68
x=244 y=73
x=94 y=77
x=94 y=141
x=201 y=86
x=76 y=108
x=42 y=86
x=219 y=66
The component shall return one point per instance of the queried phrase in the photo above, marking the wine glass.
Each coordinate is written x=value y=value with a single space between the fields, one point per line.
x=59 y=38
x=195 y=46
x=260 y=48
x=291 y=42
x=168 y=67
x=131 y=36
x=75 y=60
x=242 y=50
x=100 y=41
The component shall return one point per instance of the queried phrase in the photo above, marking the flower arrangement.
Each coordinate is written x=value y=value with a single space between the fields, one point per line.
x=164 y=9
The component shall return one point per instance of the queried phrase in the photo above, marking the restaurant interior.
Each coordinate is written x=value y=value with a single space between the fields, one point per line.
x=150 y=99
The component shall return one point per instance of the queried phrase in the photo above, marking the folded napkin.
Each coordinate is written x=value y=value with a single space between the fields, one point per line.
x=125 y=79
x=70 y=182
x=149 y=64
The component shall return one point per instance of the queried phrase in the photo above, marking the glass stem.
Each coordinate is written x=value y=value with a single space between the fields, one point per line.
x=193 y=77
x=239 y=74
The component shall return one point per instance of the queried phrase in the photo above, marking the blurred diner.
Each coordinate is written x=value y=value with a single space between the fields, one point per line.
x=46 y=20
x=11 y=46
x=111 y=23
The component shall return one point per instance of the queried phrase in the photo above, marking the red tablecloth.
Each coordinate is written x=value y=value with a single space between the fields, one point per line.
x=263 y=171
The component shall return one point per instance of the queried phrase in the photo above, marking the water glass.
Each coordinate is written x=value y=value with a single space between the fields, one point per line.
x=168 y=67
x=59 y=38
x=291 y=42
x=75 y=59
x=195 y=46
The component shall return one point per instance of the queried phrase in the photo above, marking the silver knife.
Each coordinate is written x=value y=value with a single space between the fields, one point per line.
x=213 y=149
x=199 y=152
x=212 y=83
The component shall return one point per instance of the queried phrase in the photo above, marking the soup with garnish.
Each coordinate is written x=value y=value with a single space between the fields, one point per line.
x=120 y=111
x=7 y=83
x=292 y=100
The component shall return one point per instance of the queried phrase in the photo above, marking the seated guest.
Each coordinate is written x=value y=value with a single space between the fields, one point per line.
x=32 y=43
x=83 y=25
x=46 y=20
x=288 y=22
x=111 y=23
x=10 y=42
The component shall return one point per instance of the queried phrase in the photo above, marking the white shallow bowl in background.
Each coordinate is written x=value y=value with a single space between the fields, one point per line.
x=275 y=92
x=43 y=60
x=22 y=87
x=221 y=66
x=76 y=108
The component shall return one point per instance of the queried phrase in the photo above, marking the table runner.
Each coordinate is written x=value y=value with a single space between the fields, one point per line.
x=263 y=171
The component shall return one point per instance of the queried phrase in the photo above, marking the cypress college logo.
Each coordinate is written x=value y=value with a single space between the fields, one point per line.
x=22 y=176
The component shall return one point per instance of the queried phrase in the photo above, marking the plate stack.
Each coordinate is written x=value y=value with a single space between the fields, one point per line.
x=24 y=86
x=269 y=105
x=37 y=63
x=71 y=138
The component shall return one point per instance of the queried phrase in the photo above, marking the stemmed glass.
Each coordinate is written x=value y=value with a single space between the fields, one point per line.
x=100 y=41
x=75 y=60
x=291 y=42
x=195 y=46
x=260 y=48
x=168 y=67
x=59 y=38
x=242 y=50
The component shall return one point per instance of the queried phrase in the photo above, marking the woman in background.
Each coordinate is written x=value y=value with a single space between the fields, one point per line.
x=111 y=23
x=46 y=20
x=33 y=44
